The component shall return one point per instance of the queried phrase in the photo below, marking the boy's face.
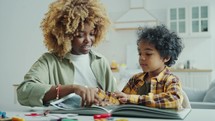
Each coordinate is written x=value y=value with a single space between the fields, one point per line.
x=150 y=59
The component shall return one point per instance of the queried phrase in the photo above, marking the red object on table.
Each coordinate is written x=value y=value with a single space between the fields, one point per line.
x=99 y=116
x=34 y=114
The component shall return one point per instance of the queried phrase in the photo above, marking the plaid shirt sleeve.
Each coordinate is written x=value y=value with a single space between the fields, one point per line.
x=107 y=97
x=165 y=91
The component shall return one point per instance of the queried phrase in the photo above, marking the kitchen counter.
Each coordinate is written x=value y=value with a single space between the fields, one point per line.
x=173 y=70
x=191 y=70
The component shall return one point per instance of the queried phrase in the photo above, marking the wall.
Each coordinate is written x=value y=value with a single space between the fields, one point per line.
x=21 y=39
x=21 y=43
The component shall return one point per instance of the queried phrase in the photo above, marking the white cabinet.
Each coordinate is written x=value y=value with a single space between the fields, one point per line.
x=190 y=21
x=199 y=20
x=178 y=20
x=199 y=79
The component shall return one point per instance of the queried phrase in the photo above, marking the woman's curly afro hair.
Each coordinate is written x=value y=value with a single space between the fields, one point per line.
x=65 y=17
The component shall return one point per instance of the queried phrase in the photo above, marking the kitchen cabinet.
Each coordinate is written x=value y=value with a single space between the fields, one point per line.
x=190 y=21
x=199 y=20
x=178 y=20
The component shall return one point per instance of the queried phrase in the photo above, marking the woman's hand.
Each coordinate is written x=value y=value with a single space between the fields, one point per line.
x=89 y=95
x=122 y=97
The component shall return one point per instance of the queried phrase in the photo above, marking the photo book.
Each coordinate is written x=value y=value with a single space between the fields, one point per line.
x=72 y=104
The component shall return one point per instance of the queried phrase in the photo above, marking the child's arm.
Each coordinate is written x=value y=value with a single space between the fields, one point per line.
x=107 y=98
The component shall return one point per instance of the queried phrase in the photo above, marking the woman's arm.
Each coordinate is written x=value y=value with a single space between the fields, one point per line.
x=89 y=95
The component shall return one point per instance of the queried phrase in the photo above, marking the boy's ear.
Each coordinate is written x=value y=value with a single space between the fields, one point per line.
x=166 y=59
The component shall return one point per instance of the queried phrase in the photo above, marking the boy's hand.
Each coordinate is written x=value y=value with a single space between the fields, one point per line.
x=122 y=97
x=106 y=98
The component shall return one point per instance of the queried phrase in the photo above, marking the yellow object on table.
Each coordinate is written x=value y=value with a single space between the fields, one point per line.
x=17 y=119
x=114 y=66
x=122 y=119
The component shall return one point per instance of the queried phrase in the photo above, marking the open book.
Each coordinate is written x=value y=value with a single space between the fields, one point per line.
x=126 y=110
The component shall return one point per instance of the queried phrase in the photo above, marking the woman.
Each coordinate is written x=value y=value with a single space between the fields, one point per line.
x=70 y=28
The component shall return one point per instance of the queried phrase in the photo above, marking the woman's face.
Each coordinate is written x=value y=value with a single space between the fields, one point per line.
x=150 y=59
x=83 y=41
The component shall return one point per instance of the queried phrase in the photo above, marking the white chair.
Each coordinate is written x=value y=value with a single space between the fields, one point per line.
x=186 y=102
x=15 y=95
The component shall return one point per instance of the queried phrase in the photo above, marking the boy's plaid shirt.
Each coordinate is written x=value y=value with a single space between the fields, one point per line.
x=165 y=91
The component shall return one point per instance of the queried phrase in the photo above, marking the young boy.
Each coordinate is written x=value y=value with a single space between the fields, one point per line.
x=156 y=86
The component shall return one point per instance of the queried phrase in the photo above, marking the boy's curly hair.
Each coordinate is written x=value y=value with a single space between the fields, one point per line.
x=167 y=43
x=65 y=17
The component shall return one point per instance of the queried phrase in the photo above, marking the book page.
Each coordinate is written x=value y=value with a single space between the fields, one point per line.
x=72 y=104
x=71 y=101
x=144 y=111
